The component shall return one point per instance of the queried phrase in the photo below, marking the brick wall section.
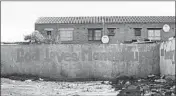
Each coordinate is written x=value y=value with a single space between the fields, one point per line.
x=124 y=32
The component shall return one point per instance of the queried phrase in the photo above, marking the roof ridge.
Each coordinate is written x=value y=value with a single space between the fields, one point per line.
x=102 y=16
x=108 y=19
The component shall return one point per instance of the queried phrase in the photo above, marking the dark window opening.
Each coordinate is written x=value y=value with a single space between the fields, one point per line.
x=111 y=31
x=94 y=34
x=137 y=31
x=49 y=33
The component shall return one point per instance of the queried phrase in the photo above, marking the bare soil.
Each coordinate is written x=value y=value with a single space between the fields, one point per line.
x=122 y=86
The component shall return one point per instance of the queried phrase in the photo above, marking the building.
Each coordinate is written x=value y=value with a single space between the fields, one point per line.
x=79 y=30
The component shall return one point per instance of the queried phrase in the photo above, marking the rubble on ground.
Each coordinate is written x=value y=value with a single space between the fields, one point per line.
x=153 y=85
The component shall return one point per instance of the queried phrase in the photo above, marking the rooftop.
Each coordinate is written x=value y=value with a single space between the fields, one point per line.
x=106 y=19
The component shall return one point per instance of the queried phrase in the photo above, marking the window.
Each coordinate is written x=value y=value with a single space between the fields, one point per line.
x=66 y=34
x=137 y=31
x=49 y=33
x=111 y=31
x=154 y=33
x=94 y=34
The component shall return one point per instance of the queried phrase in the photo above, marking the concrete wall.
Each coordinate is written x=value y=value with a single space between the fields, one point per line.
x=81 y=61
x=167 y=58
x=123 y=31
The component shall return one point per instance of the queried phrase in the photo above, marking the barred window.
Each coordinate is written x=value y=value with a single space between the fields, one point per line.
x=66 y=34
x=94 y=34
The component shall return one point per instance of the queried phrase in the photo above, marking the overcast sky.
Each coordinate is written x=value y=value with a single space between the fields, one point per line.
x=18 y=17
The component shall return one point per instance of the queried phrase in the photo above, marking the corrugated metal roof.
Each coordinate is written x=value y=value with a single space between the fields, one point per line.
x=107 y=19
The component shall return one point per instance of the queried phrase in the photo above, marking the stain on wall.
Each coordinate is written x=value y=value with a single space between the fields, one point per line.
x=81 y=60
x=167 y=58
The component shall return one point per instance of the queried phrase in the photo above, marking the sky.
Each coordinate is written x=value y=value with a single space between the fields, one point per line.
x=18 y=17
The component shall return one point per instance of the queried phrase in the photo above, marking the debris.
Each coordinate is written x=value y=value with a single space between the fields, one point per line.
x=153 y=85
x=127 y=83
x=145 y=88
x=171 y=38
x=173 y=87
x=40 y=79
x=168 y=93
x=129 y=92
x=152 y=75
x=28 y=80
x=120 y=81
x=163 y=77
x=123 y=88
x=13 y=81
x=160 y=80
x=154 y=90
x=139 y=80
x=132 y=87
x=148 y=94
x=106 y=82
x=173 y=94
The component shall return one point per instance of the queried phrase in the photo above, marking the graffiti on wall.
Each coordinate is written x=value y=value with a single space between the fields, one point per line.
x=87 y=54
x=168 y=55
x=168 y=51
x=82 y=61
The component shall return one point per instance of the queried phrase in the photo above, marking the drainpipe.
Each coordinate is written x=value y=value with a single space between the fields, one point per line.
x=103 y=26
x=58 y=34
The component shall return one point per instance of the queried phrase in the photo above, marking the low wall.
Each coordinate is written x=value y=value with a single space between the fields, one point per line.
x=81 y=61
x=167 y=58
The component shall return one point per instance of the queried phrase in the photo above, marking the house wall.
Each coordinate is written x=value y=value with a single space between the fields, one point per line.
x=167 y=58
x=124 y=32
x=70 y=61
x=41 y=28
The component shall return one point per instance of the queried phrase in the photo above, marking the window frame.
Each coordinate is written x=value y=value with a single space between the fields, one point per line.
x=111 y=34
x=154 y=37
x=65 y=30
x=135 y=30
x=48 y=32
x=93 y=34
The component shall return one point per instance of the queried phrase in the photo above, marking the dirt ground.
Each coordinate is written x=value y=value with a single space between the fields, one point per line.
x=51 y=88
x=122 y=86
